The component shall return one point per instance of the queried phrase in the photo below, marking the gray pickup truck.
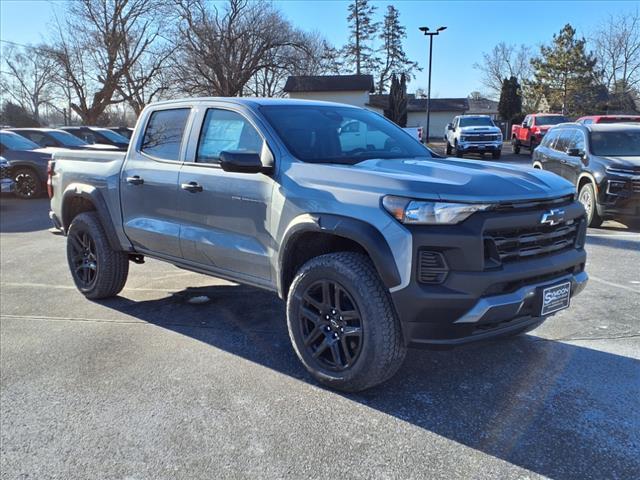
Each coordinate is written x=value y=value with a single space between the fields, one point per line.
x=374 y=248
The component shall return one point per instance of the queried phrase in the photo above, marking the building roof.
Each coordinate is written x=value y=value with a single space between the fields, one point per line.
x=482 y=106
x=420 y=104
x=329 y=83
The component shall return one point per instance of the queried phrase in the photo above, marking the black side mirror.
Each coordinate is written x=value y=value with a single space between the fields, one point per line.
x=449 y=126
x=575 y=152
x=241 y=162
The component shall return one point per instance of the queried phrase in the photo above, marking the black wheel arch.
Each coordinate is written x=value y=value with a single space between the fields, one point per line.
x=361 y=235
x=79 y=198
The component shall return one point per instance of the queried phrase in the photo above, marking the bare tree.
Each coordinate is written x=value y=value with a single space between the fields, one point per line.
x=504 y=61
x=221 y=49
x=100 y=43
x=28 y=78
x=617 y=47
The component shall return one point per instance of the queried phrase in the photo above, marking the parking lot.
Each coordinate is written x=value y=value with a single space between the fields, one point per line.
x=150 y=386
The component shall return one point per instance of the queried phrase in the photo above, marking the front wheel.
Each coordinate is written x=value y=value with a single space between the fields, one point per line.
x=27 y=184
x=496 y=155
x=448 y=148
x=98 y=270
x=515 y=146
x=587 y=197
x=457 y=151
x=342 y=323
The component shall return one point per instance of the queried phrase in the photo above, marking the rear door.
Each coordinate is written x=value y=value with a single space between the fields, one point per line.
x=149 y=183
x=573 y=165
x=225 y=217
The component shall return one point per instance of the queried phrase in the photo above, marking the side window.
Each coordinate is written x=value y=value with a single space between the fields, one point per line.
x=224 y=130
x=549 y=138
x=564 y=138
x=351 y=127
x=588 y=121
x=163 y=135
x=578 y=140
x=527 y=121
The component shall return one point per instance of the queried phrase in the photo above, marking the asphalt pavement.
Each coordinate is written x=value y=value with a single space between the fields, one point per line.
x=150 y=386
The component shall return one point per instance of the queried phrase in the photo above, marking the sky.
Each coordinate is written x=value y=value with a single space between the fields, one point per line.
x=473 y=27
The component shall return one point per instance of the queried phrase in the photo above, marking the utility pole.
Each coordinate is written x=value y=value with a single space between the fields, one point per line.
x=426 y=31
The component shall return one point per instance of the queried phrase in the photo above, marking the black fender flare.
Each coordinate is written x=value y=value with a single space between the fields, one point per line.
x=363 y=233
x=93 y=195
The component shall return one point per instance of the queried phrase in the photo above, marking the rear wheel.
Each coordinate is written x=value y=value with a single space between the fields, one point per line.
x=342 y=323
x=98 y=270
x=27 y=184
x=532 y=147
x=587 y=197
x=515 y=146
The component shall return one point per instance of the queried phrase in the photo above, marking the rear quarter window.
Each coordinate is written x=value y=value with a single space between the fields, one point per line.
x=164 y=132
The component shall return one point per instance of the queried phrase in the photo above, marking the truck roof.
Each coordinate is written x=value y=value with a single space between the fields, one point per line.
x=254 y=101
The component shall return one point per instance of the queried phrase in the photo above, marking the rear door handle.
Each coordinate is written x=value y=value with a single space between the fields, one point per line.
x=192 y=187
x=135 y=180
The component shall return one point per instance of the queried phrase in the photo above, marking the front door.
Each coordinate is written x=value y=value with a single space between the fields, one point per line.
x=225 y=215
x=149 y=184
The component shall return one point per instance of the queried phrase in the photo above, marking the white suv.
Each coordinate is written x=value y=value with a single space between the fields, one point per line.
x=473 y=134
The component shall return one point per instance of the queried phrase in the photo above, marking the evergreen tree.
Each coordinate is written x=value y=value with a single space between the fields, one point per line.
x=565 y=74
x=394 y=59
x=510 y=103
x=397 y=111
x=363 y=29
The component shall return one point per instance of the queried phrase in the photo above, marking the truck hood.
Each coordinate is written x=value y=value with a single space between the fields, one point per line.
x=479 y=130
x=436 y=179
x=629 y=162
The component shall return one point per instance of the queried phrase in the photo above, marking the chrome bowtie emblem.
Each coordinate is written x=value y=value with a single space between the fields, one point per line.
x=553 y=217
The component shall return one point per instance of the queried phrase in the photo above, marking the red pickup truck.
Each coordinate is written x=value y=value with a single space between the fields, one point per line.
x=534 y=126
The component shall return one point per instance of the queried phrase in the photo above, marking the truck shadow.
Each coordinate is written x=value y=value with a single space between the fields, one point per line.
x=17 y=215
x=559 y=410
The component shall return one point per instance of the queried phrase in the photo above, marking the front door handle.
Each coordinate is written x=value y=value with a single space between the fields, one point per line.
x=192 y=187
x=135 y=180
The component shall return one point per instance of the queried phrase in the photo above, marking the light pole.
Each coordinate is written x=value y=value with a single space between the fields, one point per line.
x=426 y=31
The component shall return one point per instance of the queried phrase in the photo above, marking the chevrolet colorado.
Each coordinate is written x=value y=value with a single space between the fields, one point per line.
x=374 y=247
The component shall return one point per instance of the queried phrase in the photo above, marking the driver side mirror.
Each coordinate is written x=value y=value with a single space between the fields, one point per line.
x=241 y=162
x=575 y=152
x=449 y=126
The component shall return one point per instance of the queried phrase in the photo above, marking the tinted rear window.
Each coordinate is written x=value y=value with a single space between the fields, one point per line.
x=550 y=120
x=164 y=132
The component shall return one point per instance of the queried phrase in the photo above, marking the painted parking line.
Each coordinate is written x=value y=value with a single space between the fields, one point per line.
x=613 y=284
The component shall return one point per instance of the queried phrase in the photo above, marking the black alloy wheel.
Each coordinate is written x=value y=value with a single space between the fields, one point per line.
x=27 y=184
x=83 y=259
x=331 y=325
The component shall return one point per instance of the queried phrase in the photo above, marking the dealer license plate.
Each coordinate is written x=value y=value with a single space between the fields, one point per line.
x=555 y=298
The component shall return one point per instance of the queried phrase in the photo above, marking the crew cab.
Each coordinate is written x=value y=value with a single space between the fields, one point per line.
x=473 y=134
x=374 y=246
x=602 y=161
x=532 y=130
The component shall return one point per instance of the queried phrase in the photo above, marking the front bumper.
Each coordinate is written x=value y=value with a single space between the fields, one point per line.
x=478 y=299
x=619 y=196
x=479 y=147
x=6 y=186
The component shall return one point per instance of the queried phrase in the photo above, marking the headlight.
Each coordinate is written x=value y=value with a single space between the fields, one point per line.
x=424 y=212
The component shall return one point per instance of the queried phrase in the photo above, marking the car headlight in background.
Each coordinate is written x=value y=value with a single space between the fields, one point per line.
x=425 y=212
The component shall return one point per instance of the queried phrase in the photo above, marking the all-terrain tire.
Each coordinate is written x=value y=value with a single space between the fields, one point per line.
x=106 y=269
x=449 y=149
x=382 y=350
x=515 y=146
x=457 y=151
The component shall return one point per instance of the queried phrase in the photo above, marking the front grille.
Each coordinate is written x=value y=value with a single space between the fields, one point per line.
x=481 y=138
x=432 y=267
x=534 y=204
x=523 y=243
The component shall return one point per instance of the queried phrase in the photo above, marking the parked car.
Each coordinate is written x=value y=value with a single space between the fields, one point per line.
x=473 y=134
x=374 y=249
x=99 y=135
x=124 y=131
x=56 y=138
x=602 y=161
x=28 y=164
x=608 y=119
x=6 y=180
x=532 y=131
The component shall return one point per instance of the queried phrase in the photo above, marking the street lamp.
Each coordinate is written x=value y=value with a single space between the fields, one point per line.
x=426 y=31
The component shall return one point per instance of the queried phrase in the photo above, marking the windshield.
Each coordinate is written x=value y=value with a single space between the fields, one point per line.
x=327 y=134
x=625 y=143
x=619 y=120
x=111 y=135
x=13 y=141
x=67 y=139
x=476 y=122
x=550 y=120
